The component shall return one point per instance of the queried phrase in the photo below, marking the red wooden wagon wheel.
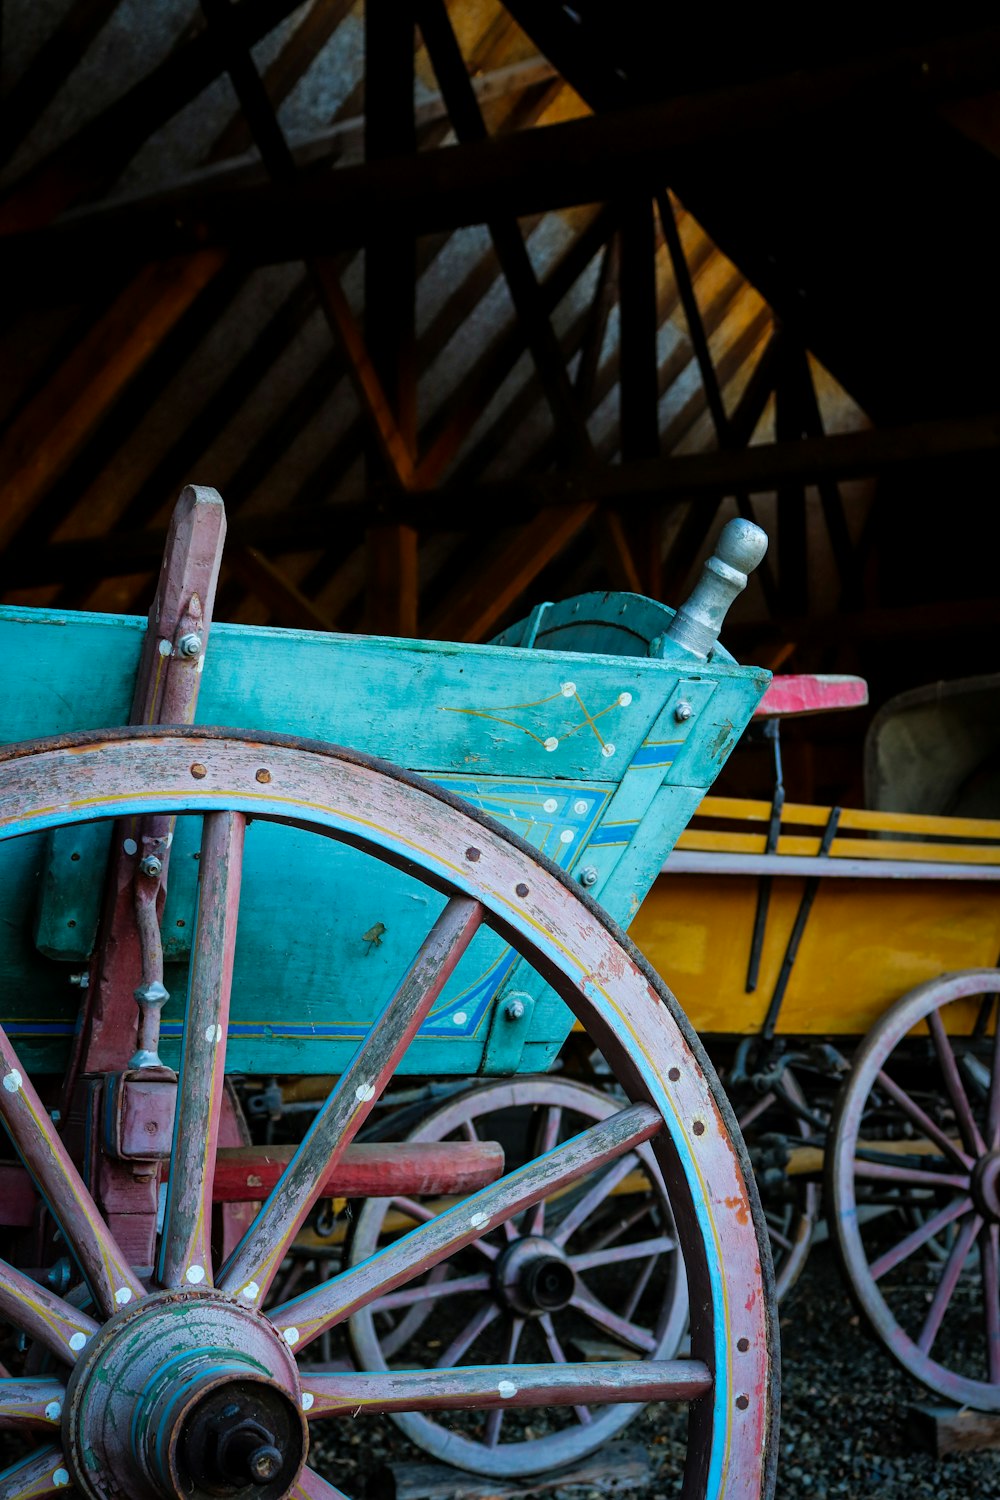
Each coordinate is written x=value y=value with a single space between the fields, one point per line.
x=585 y=1263
x=917 y=1128
x=185 y=1387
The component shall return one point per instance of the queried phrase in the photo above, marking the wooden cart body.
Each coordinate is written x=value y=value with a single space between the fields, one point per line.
x=597 y=760
x=902 y=898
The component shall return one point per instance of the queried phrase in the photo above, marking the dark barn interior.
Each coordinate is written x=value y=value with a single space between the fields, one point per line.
x=461 y=307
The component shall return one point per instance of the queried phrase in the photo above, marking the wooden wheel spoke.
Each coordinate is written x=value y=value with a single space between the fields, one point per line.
x=185 y=1250
x=622 y=1329
x=990 y=1252
x=255 y=1261
x=108 y=1273
x=777 y=1236
x=949 y=1280
x=494 y=1420
x=482 y=1387
x=41 y=1473
x=746 y=1117
x=614 y=1254
x=621 y=1226
x=39 y=1313
x=926 y=1231
x=923 y=1122
x=877 y=1171
x=486 y=1314
x=639 y=1286
x=31 y=1403
x=424 y=1215
x=395 y=1264
x=427 y=1291
x=956 y=1088
x=551 y=1126
x=993 y=1102
x=592 y=1199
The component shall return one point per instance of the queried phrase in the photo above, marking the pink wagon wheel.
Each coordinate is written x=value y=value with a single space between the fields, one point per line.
x=916 y=1139
x=180 y=1384
x=592 y=1266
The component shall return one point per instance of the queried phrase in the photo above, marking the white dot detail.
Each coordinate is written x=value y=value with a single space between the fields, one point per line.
x=460 y=1018
x=164 y=648
x=552 y=743
x=12 y=1081
x=291 y=1336
x=130 y=846
x=123 y=1295
x=478 y=1221
x=77 y=1340
x=580 y=808
x=506 y=1389
x=568 y=689
x=624 y=699
x=364 y=1092
x=213 y=1033
x=607 y=751
x=307 y=1400
x=60 y=1477
x=53 y=1411
x=550 y=804
x=251 y=1291
x=195 y=1274
x=566 y=837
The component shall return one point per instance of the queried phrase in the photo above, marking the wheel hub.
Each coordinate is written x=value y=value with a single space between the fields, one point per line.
x=185 y=1396
x=533 y=1276
x=986 y=1186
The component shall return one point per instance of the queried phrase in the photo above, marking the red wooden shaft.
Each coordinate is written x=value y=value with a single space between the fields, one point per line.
x=366 y=1171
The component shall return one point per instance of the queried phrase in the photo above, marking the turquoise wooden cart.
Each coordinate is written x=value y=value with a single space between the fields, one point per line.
x=442 y=924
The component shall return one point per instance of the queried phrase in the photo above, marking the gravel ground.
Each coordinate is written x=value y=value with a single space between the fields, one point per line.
x=843 y=1413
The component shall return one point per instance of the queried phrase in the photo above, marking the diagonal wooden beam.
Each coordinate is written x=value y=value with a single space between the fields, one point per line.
x=466 y=116
x=94 y=157
x=28 y=97
x=473 y=610
x=286 y=602
x=45 y=435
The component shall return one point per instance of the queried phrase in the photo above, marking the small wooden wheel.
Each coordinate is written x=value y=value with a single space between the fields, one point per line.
x=917 y=1128
x=185 y=1387
x=596 y=1264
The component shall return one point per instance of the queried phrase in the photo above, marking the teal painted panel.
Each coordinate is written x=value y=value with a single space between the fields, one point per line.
x=571 y=752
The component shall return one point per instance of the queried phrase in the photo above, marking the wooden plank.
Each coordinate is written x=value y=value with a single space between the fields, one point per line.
x=951 y=1429
x=29 y=95
x=874 y=820
x=45 y=435
x=615 y=1470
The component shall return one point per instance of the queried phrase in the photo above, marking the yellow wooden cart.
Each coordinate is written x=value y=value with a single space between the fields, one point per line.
x=841 y=965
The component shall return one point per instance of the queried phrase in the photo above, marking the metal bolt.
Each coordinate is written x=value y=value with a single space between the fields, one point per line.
x=513 y=1010
x=589 y=876
x=80 y=980
x=683 y=712
x=189 y=645
x=150 y=865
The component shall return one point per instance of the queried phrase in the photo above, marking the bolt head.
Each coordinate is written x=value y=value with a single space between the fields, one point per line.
x=683 y=712
x=589 y=876
x=514 y=1010
x=150 y=865
x=189 y=645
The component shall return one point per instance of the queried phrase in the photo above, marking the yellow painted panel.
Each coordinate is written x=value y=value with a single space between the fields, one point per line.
x=709 y=840
x=866 y=943
x=748 y=810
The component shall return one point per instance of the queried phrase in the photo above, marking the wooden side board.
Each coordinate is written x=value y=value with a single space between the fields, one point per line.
x=587 y=758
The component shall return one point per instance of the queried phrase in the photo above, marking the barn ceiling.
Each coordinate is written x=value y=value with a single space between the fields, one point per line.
x=462 y=305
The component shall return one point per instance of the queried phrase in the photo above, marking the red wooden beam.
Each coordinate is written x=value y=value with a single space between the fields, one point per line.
x=407 y=1168
x=809 y=694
